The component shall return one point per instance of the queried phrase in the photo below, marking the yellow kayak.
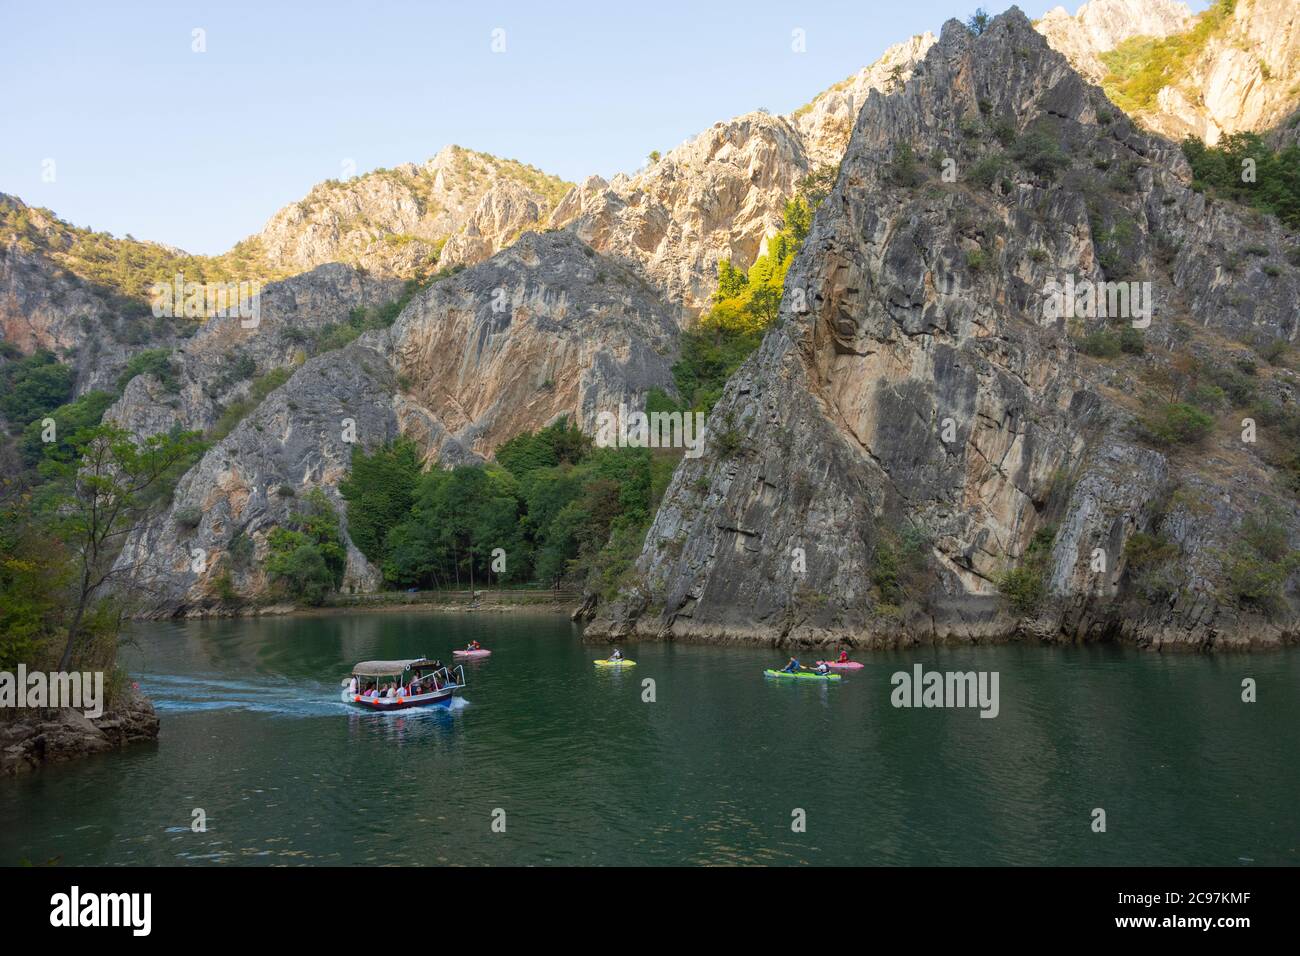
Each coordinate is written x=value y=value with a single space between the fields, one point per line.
x=622 y=663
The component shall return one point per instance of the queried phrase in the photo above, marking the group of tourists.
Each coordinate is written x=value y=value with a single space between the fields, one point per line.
x=423 y=682
x=794 y=667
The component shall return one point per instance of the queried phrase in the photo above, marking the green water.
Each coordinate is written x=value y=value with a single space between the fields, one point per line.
x=587 y=772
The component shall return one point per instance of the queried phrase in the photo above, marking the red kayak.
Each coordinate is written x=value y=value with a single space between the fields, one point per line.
x=841 y=665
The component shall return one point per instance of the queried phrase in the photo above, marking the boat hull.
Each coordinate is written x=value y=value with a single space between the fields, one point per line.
x=439 y=698
x=471 y=655
x=801 y=675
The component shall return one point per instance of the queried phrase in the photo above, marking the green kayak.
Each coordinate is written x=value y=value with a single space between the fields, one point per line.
x=801 y=675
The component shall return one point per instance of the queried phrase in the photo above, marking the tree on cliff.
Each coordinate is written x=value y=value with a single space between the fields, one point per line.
x=98 y=497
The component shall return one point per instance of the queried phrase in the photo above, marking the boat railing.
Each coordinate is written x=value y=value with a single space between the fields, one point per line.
x=453 y=675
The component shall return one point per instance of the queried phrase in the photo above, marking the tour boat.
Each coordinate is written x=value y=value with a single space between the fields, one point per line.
x=419 y=682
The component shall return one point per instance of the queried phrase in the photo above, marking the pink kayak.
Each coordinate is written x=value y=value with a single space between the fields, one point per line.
x=841 y=665
x=471 y=654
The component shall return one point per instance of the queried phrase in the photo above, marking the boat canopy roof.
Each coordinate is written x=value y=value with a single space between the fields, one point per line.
x=388 y=668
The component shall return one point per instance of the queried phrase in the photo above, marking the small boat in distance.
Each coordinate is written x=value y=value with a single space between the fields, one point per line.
x=397 y=685
x=472 y=654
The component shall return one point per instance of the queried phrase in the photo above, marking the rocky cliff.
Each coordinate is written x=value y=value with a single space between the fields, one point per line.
x=545 y=329
x=44 y=304
x=923 y=449
x=1100 y=26
x=219 y=364
x=720 y=194
x=1229 y=69
x=35 y=739
x=395 y=221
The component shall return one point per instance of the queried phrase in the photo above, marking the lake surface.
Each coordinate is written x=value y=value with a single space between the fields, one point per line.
x=711 y=772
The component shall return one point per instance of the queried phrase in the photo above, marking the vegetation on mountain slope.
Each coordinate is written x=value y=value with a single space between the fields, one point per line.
x=125 y=266
x=1141 y=67
x=560 y=510
x=1244 y=169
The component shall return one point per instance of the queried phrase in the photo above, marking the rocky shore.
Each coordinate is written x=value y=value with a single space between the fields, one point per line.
x=42 y=737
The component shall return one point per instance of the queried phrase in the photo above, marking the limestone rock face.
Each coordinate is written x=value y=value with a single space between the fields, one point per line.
x=1101 y=25
x=44 y=306
x=1245 y=78
x=547 y=328
x=929 y=391
x=1242 y=76
x=213 y=537
x=721 y=194
x=717 y=196
x=826 y=123
x=217 y=365
x=395 y=221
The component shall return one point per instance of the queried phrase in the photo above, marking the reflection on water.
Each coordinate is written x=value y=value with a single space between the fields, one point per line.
x=711 y=772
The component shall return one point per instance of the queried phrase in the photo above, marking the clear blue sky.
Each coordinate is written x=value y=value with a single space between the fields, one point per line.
x=198 y=149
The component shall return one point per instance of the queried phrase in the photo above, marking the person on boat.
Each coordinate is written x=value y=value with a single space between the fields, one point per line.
x=473 y=646
x=844 y=657
x=352 y=686
x=793 y=667
x=617 y=655
x=822 y=668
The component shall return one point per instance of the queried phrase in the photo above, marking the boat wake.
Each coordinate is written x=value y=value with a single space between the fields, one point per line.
x=278 y=697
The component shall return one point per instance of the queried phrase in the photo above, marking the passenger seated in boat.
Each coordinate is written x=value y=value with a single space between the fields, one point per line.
x=473 y=646
x=793 y=667
x=822 y=668
x=844 y=657
x=617 y=655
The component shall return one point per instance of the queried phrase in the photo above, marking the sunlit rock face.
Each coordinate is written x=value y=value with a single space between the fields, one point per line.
x=547 y=329
x=927 y=391
x=1241 y=76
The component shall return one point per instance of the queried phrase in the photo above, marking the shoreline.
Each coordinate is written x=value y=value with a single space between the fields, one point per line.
x=481 y=600
x=597 y=629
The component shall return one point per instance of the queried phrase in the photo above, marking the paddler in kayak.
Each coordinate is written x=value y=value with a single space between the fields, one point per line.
x=822 y=668
x=473 y=646
x=617 y=655
x=793 y=667
x=844 y=657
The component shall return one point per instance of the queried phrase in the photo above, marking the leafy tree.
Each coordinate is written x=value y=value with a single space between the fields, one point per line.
x=98 y=496
x=1176 y=423
x=379 y=491
x=308 y=556
x=84 y=412
x=32 y=387
x=553 y=445
x=978 y=21
x=155 y=362
x=1273 y=186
